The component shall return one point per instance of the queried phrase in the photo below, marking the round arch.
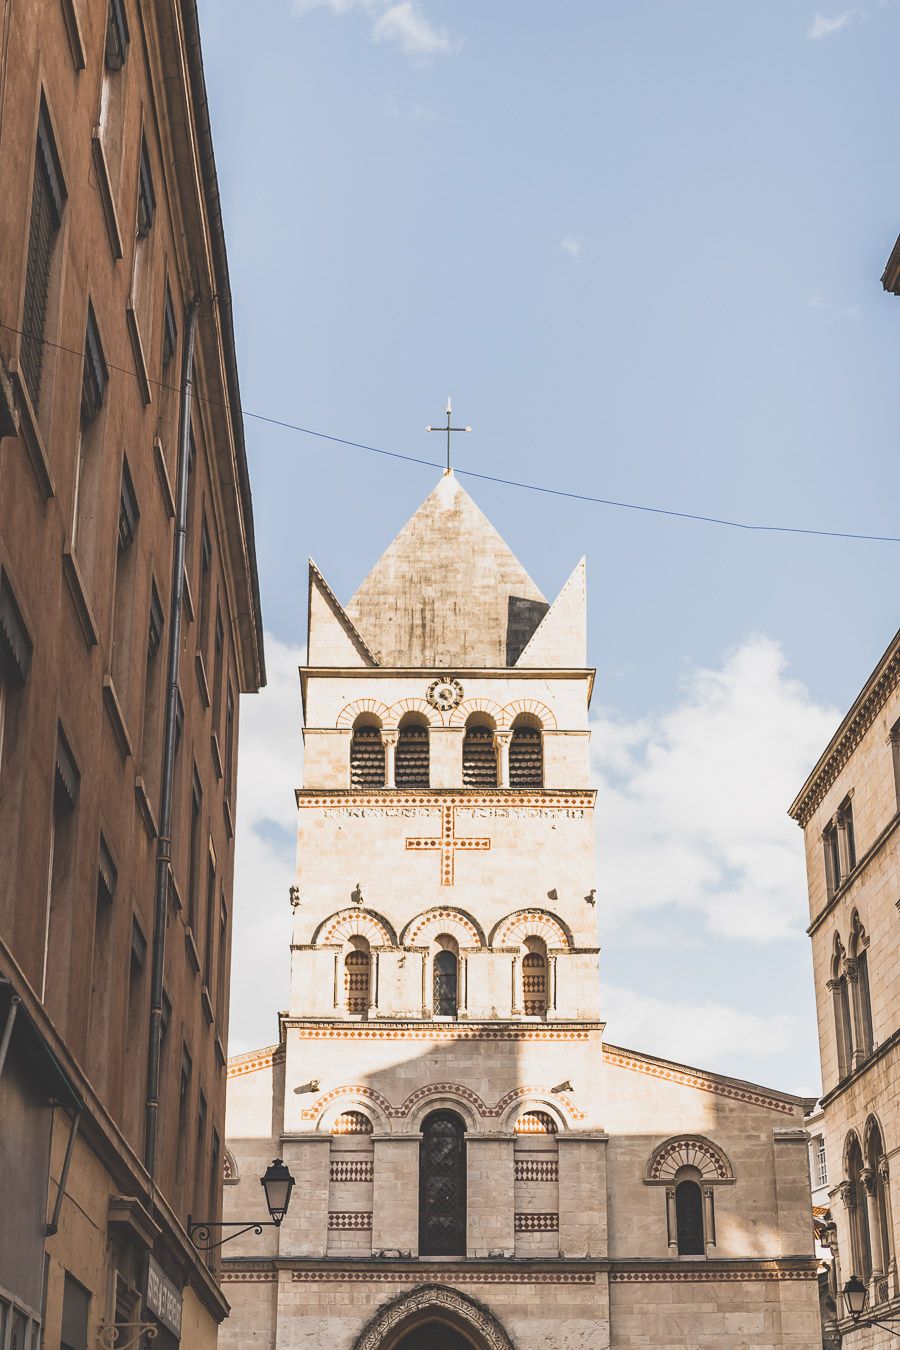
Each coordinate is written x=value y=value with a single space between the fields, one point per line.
x=444 y=1097
x=532 y=708
x=461 y=715
x=352 y=1097
x=443 y=919
x=398 y=711
x=688 y=1150
x=535 y=1104
x=525 y=923
x=433 y=1303
x=372 y=707
x=349 y=923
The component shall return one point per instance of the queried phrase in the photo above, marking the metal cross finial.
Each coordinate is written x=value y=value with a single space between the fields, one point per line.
x=448 y=430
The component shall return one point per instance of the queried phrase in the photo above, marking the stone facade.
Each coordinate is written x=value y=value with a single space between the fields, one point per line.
x=472 y=1158
x=849 y=809
x=109 y=221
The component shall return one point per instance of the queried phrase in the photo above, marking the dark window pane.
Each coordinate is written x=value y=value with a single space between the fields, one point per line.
x=479 y=758
x=445 y=1001
x=689 y=1218
x=442 y=1186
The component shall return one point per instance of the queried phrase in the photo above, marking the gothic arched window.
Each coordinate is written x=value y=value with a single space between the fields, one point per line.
x=442 y=1185
x=479 y=756
x=859 y=953
x=689 y=1218
x=366 y=757
x=357 y=967
x=843 y=1027
x=534 y=978
x=860 y=1243
x=876 y=1179
x=445 y=984
x=526 y=760
x=411 y=764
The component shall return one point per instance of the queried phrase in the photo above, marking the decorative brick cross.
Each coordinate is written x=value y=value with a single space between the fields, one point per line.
x=448 y=841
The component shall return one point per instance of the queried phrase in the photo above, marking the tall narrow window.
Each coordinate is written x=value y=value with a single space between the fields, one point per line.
x=526 y=760
x=153 y=695
x=831 y=844
x=194 y=853
x=845 y=824
x=200 y=1157
x=215 y=1175
x=411 y=766
x=117 y=37
x=59 y=914
x=357 y=978
x=184 y=1104
x=366 y=757
x=689 y=1218
x=479 y=756
x=877 y=1182
x=859 y=985
x=860 y=1242
x=534 y=978
x=843 y=1027
x=146 y=204
x=821 y=1163
x=218 y=660
x=124 y=591
x=229 y=743
x=48 y=197
x=136 y=1028
x=445 y=994
x=205 y=579
x=101 y=955
x=89 y=466
x=442 y=1185
x=76 y=1304
x=170 y=330
x=210 y=930
x=222 y=967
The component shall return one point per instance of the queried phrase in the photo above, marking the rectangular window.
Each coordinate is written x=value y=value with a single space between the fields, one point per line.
x=136 y=1028
x=76 y=1304
x=146 y=208
x=126 y=565
x=60 y=866
x=89 y=465
x=222 y=967
x=48 y=196
x=210 y=933
x=215 y=1175
x=832 y=858
x=101 y=954
x=194 y=857
x=205 y=579
x=200 y=1159
x=229 y=742
x=845 y=820
x=218 y=658
x=170 y=331
x=821 y=1165
x=153 y=694
x=116 y=35
x=184 y=1104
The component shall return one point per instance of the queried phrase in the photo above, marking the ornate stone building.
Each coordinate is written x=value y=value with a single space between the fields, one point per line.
x=475 y=1165
x=849 y=809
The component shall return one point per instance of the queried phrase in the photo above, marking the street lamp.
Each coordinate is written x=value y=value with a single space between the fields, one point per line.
x=277 y=1184
x=856 y=1296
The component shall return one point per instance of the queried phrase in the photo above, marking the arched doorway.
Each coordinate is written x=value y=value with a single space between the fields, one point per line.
x=433 y=1317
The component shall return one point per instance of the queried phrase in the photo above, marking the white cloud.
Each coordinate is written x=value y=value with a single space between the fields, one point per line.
x=703 y=1035
x=571 y=244
x=400 y=21
x=269 y=768
x=823 y=305
x=692 y=802
x=822 y=27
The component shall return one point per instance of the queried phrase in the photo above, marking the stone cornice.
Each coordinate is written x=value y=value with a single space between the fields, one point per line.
x=559 y=799
x=313 y=1029
x=254 y=1060
x=703 y=1080
x=437 y=672
x=866 y=707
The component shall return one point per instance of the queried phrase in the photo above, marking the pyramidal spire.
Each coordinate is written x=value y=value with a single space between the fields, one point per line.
x=448 y=591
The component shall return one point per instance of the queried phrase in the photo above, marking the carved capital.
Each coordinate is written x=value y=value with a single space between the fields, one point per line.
x=869 y=1180
x=847 y=1193
x=851 y=970
x=883 y=1168
x=502 y=739
x=389 y=738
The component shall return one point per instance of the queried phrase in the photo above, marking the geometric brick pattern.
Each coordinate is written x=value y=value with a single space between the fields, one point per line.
x=688 y=1151
x=528 y=1169
x=342 y=1170
x=350 y=1219
x=537 y=1223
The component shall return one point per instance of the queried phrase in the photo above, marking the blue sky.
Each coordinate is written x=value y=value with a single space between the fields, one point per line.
x=640 y=243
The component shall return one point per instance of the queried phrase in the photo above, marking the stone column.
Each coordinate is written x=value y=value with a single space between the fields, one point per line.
x=709 y=1220
x=857 y=1050
x=516 y=991
x=671 y=1221
x=374 y=977
x=389 y=741
x=582 y=1194
x=869 y=1180
x=501 y=746
x=490 y=1190
x=395 y=1200
x=304 y=1231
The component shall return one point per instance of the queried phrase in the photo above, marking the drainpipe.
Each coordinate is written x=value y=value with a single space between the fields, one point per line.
x=164 y=840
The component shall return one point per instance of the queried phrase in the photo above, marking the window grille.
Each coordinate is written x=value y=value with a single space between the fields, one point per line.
x=356 y=982
x=445 y=981
x=442 y=1186
x=689 y=1218
x=526 y=764
x=47 y=198
x=411 y=763
x=479 y=758
x=366 y=758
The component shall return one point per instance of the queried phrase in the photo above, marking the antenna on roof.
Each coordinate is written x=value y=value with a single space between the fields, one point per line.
x=449 y=430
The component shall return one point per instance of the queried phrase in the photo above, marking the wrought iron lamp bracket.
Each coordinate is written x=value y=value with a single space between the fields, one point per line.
x=200 y=1233
x=108 y=1334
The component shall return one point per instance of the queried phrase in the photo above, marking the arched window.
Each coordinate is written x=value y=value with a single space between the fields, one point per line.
x=479 y=755
x=534 y=978
x=843 y=1027
x=411 y=765
x=357 y=966
x=877 y=1181
x=442 y=1185
x=366 y=756
x=689 y=1217
x=526 y=760
x=855 y=1195
x=445 y=979
x=859 y=943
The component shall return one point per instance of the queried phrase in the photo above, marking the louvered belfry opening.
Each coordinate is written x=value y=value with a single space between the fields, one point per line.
x=526 y=759
x=366 y=758
x=442 y=1185
x=479 y=757
x=411 y=764
x=534 y=979
x=357 y=965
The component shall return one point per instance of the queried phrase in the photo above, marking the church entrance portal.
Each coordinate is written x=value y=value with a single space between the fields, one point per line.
x=434 y=1317
x=437 y=1336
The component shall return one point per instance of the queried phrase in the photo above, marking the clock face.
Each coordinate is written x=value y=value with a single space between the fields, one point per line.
x=445 y=695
